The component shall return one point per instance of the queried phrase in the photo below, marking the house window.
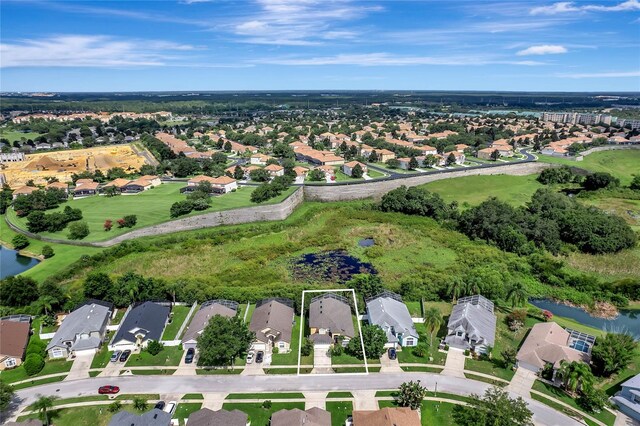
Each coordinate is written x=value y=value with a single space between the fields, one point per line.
x=409 y=342
x=11 y=362
x=57 y=353
x=459 y=334
x=281 y=345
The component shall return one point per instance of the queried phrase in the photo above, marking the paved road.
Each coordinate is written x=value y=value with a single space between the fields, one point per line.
x=543 y=415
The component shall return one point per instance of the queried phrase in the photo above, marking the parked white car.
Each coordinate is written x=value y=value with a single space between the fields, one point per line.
x=250 y=356
x=170 y=407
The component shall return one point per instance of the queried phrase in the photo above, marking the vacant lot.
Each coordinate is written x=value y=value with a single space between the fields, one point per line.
x=621 y=164
x=151 y=207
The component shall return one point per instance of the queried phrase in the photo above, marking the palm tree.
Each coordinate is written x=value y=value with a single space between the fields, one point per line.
x=456 y=287
x=576 y=376
x=433 y=321
x=46 y=302
x=517 y=294
x=42 y=404
x=140 y=403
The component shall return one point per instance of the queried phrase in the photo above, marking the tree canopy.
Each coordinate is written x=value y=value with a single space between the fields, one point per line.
x=222 y=340
x=494 y=408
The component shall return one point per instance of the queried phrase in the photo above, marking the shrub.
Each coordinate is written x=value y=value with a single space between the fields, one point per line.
x=78 y=230
x=592 y=400
x=200 y=204
x=115 y=406
x=180 y=208
x=337 y=350
x=307 y=347
x=47 y=252
x=33 y=364
x=420 y=351
x=267 y=404
x=154 y=347
x=36 y=346
x=130 y=221
x=108 y=224
x=20 y=241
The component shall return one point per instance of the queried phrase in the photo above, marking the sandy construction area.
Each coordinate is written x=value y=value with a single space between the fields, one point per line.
x=62 y=164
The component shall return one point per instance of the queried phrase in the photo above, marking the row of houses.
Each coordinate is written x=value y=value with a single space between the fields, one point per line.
x=315 y=416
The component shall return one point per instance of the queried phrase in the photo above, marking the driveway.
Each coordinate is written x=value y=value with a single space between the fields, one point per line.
x=543 y=414
x=388 y=365
x=185 y=369
x=522 y=382
x=321 y=359
x=454 y=366
x=80 y=367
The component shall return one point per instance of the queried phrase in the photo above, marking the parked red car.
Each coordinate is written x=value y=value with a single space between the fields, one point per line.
x=108 y=390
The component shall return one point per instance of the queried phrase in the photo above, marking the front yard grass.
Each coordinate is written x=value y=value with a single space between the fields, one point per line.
x=184 y=410
x=340 y=411
x=492 y=367
x=170 y=355
x=178 y=316
x=97 y=415
x=274 y=395
x=38 y=382
x=291 y=357
x=207 y=371
x=604 y=416
x=50 y=367
x=432 y=413
x=261 y=416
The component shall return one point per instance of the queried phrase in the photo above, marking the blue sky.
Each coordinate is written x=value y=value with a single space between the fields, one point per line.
x=590 y=45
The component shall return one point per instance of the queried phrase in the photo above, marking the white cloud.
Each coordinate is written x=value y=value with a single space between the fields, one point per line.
x=543 y=49
x=88 y=51
x=386 y=59
x=612 y=74
x=568 y=7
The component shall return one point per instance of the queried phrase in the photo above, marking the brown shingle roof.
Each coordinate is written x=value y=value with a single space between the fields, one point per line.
x=207 y=417
x=312 y=417
x=14 y=337
x=387 y=417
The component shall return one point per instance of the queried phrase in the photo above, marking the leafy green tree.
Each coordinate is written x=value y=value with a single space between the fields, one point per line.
x=393 y=163
x=18 y=291
x=259 y=175
x=373 y=157
x=517 y=294
x=97 y=285
x=47 y=252
x=19 y=242
x=181 y=208
x=612 y=353
x=222 y=340
x=78 y=230
x=455 y=288
x=43 y=404
x=154 y=347
x=599 y=180
x=316 y=175
x=413 y=163
x=575 y=376
x=238 y=173
x=593 y=400
x=495 y=155
x=411 y=394
x=357 y=171
x=432 y=320
x=451 y=159
x=367 y=285
x=508 y=356
x=307 y=347
x=374 y=339
x=6 y=395
x=635 y=183
x=417 y=201
x=495 y=408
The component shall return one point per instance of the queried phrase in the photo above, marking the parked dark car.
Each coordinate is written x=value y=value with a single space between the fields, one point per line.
x=105 y=390
x=159 y=405
x=392 y=353
x=259 y=357
x=125 y=355
x=188 y=359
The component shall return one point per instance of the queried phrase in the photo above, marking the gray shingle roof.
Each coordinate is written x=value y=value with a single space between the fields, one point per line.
x=154 y=417
x=476 y=319
x=202 y=317
x=147 y=318
x=391 y=315
x=207 y=417
x=275 y=315
x=312 y=417
x=84 y=320
x=331 y=312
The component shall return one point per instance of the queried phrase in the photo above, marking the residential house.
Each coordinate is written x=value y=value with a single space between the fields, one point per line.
x=426 y=149
x=389 y=416
x=503 y=148
x=486 y=153
x=459 y=156
x=548 y=344
x=144 y=322
x=387 y=311
x=347 y=168
x=296 y=417
x=272 y=321
x=155 y=417
x=385 y=155
x=403 y=163
x=238 y=148
x=275 y=170
x=472 y=324
x=143 y=183
x=328 y=170
x=260 y=159
x=208 y=310
x=85 y=187
x=59 y=186
x=330 y=319
x=118 y=183
x=219 y=185
x=82 y=331
x=628 y=399
x=301 y=171
x=23 y=190
x=461 y=147
x=14 y=337
x=207 y=417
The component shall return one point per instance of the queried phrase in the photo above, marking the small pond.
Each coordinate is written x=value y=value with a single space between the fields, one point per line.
x=329 y=266
x=366 y=242
x=13 y=263
x=628 y=320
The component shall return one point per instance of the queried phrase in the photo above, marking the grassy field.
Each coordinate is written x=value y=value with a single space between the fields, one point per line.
x=12 y=135
x=261 y=416
x=178 y=315
x=621 y=164
x=472 y=190
x=151 y=207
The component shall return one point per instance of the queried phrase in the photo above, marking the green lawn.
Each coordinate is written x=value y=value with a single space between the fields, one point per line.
x=339 y=410
x=472 y=190
x=178 y=315
x=604 y=416
x=291 y=358
x=163 y=372
x=151 y=207
x=184 y=410
x=207 y=371
x=64 y=255
x=38 y=382
x=341 y=177
x=50 y=367
x=276 y=395
x=102 y=357
x=74 y=400
x=493 y=368
x=170 y=355
x=339 y=395
x=374 y=173
x=261 y=416
x=13 y=135
x=621 y=164
x=193 y=396
x=485 y=379
x=80 y=416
